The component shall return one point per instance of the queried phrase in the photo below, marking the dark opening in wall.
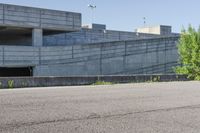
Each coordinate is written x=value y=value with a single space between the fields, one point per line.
x=16 y=72
x=15 y=36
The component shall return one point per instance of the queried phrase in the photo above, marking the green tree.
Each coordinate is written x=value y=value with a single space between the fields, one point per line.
x=189 y=53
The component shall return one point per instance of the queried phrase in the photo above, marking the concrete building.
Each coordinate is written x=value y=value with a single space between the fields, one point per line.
x=42 y=42
x=159 y=30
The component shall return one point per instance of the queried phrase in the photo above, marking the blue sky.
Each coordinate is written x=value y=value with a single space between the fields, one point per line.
x=127 y=14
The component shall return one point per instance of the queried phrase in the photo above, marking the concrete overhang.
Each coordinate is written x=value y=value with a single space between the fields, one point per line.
x=30 y=17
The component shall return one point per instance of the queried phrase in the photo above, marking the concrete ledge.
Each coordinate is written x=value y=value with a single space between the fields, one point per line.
x=20 y=82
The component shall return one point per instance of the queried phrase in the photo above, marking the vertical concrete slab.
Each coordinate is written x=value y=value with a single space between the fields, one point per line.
x=37 y=37
x=1 y=55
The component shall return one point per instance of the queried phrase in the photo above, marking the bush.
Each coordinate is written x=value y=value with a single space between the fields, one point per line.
x=10 y=84
x=102 y=83
x=189 y=53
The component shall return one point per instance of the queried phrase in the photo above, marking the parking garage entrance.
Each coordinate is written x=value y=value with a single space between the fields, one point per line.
x=16 y=72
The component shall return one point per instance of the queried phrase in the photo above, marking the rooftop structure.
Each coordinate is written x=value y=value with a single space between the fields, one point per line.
x=159 y=30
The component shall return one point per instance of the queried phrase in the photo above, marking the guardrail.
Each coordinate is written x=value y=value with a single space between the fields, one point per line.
x=21 y=82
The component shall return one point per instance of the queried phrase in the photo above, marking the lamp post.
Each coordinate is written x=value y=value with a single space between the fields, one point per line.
x=144 y=18
x=92 y=7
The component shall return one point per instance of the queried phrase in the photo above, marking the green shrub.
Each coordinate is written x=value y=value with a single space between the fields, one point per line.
x=10 y=84
x=1 y=85
x=156 y=79
x=102 y=83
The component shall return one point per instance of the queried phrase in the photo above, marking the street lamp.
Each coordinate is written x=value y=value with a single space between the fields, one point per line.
x=144 y=18
x=92 y=7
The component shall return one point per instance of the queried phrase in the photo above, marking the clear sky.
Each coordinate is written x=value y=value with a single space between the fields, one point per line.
x=127 y=14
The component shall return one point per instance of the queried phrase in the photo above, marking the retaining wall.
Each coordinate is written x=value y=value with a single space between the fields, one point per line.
x=84 y=80
x=143 y=56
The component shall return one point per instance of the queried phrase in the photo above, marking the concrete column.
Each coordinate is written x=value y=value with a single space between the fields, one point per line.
x=37 y=37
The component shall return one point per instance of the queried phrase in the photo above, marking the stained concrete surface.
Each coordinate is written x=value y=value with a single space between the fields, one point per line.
x=127 y=108
x=148 y=56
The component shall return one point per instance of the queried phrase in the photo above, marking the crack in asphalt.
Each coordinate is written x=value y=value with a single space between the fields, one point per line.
x=93 y=116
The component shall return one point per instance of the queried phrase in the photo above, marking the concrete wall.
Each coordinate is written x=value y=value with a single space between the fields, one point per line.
x=82 y=37
x=143 y=56
x=86 y=36
x=20 y=16
x=16 y=56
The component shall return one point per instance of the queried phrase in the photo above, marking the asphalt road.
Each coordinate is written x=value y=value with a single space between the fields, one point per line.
x=126 y=108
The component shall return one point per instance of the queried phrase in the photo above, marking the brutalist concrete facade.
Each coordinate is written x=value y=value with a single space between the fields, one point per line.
x=53 y=43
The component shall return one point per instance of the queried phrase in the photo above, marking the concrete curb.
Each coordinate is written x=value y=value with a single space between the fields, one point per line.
x=21 y=82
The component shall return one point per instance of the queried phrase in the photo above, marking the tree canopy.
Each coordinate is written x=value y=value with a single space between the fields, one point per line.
x=189 y=53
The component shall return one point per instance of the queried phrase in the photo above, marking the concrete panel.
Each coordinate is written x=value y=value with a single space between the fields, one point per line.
x=20 y=56
x=20 y=53
x=19 y=49
x=23 y=19
x=57 y=27
x=1 y=56
x=136 y=49
x=80 y=68
x=56 y=53
x=21 y=24
x=60 y=18
x=175 y=54
x=171 y=56
x=54 y=59
x=161 y=57
x=112 y=65
x=20 y=8
x=21 y=14
x=56 y=22
x=1 y=21
x=89 y=54
x=113 y=49
x=85 y=52
x=15 y=63
x=134 y=61
x=1 y=6
x=53 y=12
x=151 y=59
x=58 y=49
x=37 y=37
x=1 y=17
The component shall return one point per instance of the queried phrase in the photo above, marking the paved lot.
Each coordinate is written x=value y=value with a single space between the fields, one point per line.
x=127 y=108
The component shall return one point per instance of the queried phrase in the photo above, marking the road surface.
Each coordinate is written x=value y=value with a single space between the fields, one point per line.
x=127 y=108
